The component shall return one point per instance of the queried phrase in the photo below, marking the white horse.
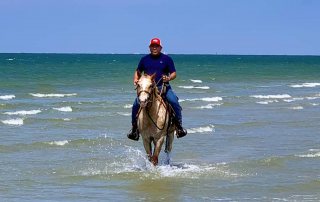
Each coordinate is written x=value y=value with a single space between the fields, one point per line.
x=153 y=119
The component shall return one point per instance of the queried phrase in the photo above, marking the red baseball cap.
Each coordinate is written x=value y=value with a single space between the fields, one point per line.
x=155 y=41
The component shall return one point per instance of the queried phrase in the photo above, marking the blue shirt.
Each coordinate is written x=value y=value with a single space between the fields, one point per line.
x=161 y=65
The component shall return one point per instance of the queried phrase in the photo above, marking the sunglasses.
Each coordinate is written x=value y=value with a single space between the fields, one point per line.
x=154 y=46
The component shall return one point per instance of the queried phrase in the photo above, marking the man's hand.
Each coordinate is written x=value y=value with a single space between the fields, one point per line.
x=165 y=78
x=136 y=77
x=135 y=82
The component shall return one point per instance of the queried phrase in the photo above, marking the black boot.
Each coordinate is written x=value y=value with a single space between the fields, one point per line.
x=181 y=132
x=134 y=133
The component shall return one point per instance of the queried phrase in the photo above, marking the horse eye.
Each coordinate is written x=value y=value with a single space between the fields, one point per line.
x=137 y=86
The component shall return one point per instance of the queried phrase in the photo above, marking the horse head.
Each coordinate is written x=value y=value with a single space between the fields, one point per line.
x=145 y=89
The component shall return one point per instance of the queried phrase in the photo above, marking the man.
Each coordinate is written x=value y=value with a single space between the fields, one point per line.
x=163 y=66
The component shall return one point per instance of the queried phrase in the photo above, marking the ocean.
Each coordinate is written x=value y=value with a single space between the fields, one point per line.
x=253 y=130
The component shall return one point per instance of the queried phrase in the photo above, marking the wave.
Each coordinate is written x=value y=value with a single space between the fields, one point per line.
x=280 y=96
x=124 y=113
x=23 y=112
x=293 y=99
x=195 y=81
x=310 y=155
x=127 y=106
x=64 y=109
x=7 y=97
x=296 y=107
x=206 y=99
x=59 y=143
x=313 y=98
x=263 y=102
x=196 y=87
x=52 y=95
x=267 y=102
x=204 y=129
x=314 y=153
x=209 y=106
x=101 y=140
x=305 y=85
x=16 y=122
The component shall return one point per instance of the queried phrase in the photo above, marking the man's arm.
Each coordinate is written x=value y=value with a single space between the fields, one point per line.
x=136 y=77
x=172 y=76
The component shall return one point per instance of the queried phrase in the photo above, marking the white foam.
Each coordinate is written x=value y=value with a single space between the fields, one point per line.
x=209 y=106
x=23 y=112
x=67 y=119
x=17 y=122
x=293 y=99
x=312 y=150
x=305 y=85
x=195 y=81
x=310 y=155
x=10 y=59
x=127 y=106
x=296 y=108
x=280 y=96
x=263 y=102
x=206 y=99
x=204 y=129
x=124 y=113
x=59 y=143
x=185 y=170
x=133 y=160
x=64 y=109
x=7 y=97
x=312 y=98
x=52 y=95
x=195 y=87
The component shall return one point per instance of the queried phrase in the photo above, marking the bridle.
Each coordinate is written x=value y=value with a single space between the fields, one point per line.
x=151 y=95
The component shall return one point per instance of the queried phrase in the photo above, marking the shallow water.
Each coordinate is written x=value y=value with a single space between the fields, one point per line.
x=253 y=125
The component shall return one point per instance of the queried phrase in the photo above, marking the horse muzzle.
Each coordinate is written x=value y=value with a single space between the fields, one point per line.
x=143 y=104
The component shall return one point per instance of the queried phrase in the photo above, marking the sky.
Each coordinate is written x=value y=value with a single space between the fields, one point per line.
x=245 y=27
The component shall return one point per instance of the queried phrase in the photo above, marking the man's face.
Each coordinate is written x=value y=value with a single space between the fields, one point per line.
x=155 y=49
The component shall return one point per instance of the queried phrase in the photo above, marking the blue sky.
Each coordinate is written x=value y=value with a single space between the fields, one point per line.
x=289 y=27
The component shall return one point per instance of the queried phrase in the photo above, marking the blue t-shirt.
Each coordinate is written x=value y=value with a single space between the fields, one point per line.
x=161 y=65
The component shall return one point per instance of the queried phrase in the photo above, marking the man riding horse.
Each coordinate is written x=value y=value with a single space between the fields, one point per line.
x=163 y=67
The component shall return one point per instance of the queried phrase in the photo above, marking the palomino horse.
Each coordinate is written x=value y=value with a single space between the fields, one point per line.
x=153 y=118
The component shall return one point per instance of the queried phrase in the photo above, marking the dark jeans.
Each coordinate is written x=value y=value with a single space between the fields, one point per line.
x=172 y=99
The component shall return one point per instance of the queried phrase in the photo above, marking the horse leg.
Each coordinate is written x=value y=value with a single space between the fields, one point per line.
x=169 y=143
x=157 y=149
x=147 y=147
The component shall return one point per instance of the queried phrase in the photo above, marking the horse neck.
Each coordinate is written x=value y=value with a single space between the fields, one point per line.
x=154 y=107
x=156 y=100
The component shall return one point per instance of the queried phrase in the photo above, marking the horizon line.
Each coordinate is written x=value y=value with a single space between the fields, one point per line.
x=222 y=54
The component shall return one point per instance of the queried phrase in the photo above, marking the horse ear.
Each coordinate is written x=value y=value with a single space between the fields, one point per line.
x=153 y=76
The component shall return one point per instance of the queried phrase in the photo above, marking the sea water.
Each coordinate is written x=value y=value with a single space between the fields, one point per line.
x=253 y=130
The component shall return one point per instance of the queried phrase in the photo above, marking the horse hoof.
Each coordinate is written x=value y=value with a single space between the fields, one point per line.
x=154 y=160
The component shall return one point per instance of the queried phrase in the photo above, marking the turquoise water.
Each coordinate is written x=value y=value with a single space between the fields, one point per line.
x=253 y=125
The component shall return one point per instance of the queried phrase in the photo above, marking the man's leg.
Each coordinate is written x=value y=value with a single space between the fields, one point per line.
x=173 y=101
x=134 y=133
